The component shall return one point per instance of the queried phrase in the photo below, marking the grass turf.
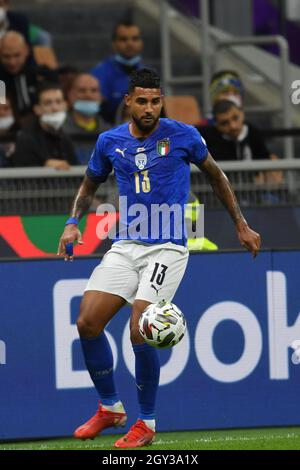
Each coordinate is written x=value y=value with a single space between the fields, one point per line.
x=242 y=439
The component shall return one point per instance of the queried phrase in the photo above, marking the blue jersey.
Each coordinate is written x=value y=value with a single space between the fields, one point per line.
x=153 y=178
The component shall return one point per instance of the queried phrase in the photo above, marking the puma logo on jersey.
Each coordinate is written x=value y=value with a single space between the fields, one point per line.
x=122 y=152
x=155 y=288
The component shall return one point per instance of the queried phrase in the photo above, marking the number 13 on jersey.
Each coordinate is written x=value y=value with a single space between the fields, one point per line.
x=142 y=177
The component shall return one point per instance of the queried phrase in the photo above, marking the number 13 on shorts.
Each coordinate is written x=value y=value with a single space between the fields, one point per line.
x=145 y=187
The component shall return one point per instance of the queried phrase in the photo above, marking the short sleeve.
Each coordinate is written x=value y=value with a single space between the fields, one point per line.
x=99 y=165
x=198 y=150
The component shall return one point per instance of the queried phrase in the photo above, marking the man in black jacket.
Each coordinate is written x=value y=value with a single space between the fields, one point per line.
x=231 y=138
x=44 y=143
x=20 y=73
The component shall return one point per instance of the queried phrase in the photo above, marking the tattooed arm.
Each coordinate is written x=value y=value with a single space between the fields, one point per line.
x=80 y=206
x=83 y=198
x=222 y=188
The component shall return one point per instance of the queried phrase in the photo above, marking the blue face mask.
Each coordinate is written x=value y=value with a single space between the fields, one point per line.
x=86 y=107
x=130 y=62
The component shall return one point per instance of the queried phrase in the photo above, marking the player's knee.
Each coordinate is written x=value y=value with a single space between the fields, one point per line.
x=87 y=328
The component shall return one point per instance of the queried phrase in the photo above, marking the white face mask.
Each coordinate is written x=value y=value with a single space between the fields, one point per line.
x=54 y=120
x=6 y=122
x=3 y=15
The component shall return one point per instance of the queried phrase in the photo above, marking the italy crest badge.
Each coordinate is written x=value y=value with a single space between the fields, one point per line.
x=163 y=147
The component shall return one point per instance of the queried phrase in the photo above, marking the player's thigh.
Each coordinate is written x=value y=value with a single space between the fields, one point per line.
x=116 y=274
x=163 y=274
x=96 y=310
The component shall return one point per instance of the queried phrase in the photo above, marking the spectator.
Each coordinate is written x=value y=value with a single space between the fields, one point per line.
x=8 y=130
x=13 y=21
x=83 y=118
x=231 y=138
x=44 y=143
x=113 y=74
x=226 y=85
x=20 y=74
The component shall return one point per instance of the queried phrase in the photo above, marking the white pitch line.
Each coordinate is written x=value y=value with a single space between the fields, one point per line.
x=204 y=440
x=228 y=438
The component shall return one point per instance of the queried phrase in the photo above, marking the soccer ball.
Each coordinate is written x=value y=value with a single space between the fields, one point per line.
x=162 y=325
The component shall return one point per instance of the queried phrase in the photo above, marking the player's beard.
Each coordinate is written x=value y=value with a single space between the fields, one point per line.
x=144 y=126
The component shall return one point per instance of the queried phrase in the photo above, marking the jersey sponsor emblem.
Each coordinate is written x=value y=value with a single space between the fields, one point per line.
x=122 y=152
x=163 y=147
x=141 y=160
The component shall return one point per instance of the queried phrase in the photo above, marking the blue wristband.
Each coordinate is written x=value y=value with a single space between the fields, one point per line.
x=69 y=249
x=72 y=220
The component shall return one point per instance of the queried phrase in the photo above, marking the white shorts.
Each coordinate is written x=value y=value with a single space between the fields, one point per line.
x=135 y=270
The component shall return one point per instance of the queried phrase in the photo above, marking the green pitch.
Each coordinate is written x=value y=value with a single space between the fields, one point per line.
x=248 y=439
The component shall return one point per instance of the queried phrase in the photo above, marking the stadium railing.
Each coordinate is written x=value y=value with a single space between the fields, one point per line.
x=36 y=191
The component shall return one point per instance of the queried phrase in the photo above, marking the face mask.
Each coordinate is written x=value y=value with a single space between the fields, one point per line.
x=130 y=62
x=2 y=15
x=6 y=122
x=54 y=120
x=86 y=107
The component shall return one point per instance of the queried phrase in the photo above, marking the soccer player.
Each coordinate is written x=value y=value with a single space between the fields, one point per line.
x=150 y=157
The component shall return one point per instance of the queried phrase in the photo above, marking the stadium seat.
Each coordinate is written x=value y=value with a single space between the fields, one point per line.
x=183 y=108
x=45 y=55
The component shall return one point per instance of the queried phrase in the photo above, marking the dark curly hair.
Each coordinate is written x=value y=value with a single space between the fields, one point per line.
x=143 y=78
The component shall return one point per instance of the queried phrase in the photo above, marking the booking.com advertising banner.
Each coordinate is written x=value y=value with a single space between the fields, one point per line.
x=234 y=368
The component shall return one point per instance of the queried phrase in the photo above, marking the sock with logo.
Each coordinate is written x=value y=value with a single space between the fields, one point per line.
x=147 y=369
x=99 y=362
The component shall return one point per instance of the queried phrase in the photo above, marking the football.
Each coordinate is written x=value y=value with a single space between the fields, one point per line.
x=162 y=325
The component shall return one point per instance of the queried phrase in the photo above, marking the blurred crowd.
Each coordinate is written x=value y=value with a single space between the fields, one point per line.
x=47 y=105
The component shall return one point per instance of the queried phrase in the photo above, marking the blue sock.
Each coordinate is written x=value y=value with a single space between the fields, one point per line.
x=99 y=362
x=147 y=369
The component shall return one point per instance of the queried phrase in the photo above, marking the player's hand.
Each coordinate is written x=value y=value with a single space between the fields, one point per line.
x=71 y=235
x=249 y=239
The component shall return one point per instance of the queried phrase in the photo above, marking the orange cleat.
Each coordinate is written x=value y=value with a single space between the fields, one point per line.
x=139 y=435
x=101 y=420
